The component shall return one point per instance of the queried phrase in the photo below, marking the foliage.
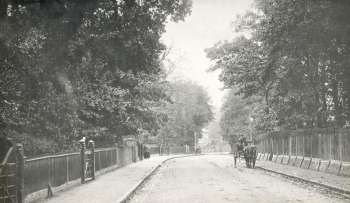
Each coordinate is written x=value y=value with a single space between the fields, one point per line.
x=81 y=68
x=188 y=112
x=243 y=117
x=235 y=117
x=294 y=54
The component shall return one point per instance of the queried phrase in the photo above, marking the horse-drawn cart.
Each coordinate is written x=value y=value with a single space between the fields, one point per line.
x=247 y=150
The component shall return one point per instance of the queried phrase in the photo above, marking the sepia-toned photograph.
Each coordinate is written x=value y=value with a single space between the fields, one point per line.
x=174 y=101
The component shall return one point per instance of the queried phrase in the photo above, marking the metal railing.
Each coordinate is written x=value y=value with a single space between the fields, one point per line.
x=20 y=177
x=57 y=170
x=53 y=170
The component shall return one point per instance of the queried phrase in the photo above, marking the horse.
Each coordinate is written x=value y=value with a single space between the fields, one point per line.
x=250 y=154
x=238 y=151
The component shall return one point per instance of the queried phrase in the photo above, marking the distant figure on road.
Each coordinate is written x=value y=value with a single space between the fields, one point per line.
x=146 y=153
x=242 y=142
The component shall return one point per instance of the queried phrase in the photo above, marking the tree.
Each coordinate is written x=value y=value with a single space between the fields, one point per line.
x=235 y=117
x=295 y=57
x=188 y=112
x=81 y=68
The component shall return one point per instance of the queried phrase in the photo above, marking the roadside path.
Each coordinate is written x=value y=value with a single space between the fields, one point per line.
x=110 y=187
x=331 y=180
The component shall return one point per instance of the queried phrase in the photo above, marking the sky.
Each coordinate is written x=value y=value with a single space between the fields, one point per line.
x=209 y=22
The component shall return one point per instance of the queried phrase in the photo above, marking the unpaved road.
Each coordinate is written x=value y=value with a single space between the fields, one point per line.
x=212 y=178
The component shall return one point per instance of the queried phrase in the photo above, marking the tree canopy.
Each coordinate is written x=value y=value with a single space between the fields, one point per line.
x=188 y=112
x=294 y=55
x=237 y=116
x=81 y=68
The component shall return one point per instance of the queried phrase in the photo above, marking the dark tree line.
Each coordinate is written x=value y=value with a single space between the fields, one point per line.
x=294 y=55
x=81 y=68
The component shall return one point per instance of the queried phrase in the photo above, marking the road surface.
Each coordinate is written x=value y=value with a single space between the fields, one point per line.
x=212 y=178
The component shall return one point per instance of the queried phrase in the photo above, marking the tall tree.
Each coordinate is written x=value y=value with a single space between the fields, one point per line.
x=188 y=113
x=81 y=68
x=295 y=55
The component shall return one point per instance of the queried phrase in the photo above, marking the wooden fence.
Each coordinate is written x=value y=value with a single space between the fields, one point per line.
x=328 y=144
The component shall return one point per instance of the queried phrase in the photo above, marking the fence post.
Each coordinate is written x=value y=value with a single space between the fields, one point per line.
x=320 y=150
x=133 y=153
x=262 y=141
x=116 y=156
x=82 y=160
x=290 y=145
x=50 y=172
x=67 y=169
x=277 y=146
x=283 y=146
x=20 y=173
x=303 y=144
x=121 y=155
x=296 y=145
x=271 y=151
x=330 y=146
x=311 y=138
x=340 y=147
x=99 y=159
x=92 y=158
x=140 y=151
